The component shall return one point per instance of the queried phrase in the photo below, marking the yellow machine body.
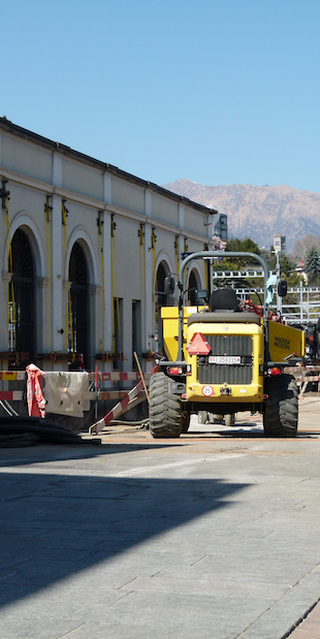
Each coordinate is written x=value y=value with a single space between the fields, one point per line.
x=198 y=389
x=215 y=383
x=285 y=342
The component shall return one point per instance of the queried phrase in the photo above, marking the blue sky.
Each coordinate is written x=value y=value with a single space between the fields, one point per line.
x=218 y=92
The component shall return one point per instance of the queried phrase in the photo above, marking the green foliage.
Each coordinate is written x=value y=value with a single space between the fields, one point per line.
x=235 y=245
x=245 y=246
x=294 y=280
x=236 y=263
x=286 y=264
x=312 y=265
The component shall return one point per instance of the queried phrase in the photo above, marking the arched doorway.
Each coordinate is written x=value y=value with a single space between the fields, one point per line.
x=162 y=273
x=161 y=299
x=22 y=306
x=78 y=338
x=193 y=286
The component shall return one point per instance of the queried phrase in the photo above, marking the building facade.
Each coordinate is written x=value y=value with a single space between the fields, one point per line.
x=85 y=249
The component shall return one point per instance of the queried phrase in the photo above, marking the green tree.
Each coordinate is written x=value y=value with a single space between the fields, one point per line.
x=245 y=246
x=237 y=245
x=312 y=264
x=287 y=265
x=295 y=279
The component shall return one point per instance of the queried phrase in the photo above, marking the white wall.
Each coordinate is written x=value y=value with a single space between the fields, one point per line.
x=36 y=169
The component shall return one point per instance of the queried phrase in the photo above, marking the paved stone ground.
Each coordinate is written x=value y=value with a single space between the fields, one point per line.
x=214 y=535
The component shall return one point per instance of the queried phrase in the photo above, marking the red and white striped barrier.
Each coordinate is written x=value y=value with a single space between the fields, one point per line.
x=121 y=377
x=119 y=408
x=303 y=375
x=97 y=376
x=11 y=396
x=12 y=376
x=105 y=394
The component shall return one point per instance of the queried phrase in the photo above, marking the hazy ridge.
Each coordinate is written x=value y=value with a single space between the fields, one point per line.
x=259 y=212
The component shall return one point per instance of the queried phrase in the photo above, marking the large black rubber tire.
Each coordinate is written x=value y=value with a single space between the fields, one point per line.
x=165 y=412
x=280 y=418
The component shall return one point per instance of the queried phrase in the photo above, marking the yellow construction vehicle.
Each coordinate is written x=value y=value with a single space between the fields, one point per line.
x=225 y=357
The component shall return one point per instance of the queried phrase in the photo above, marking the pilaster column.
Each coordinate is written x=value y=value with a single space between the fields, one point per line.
x=94 y=293
x=148 y=203
x=181 y=236
x=149 y=301
x=58 y=340
x=107 y=188
x=106 y=301
x=43 y=337
x=6 y=340
x=56 y=169
x=181 y=216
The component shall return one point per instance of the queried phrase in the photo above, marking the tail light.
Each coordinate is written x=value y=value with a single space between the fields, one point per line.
x=273 y=372
x=175 y=370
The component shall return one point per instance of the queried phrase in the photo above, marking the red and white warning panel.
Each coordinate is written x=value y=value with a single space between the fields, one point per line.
x=198 y=345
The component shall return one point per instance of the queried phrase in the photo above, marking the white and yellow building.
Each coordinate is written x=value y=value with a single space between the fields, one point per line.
x=84 y=249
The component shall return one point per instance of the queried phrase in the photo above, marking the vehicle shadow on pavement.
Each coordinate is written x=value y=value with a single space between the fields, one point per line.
x=55 y=526
x=45 y=453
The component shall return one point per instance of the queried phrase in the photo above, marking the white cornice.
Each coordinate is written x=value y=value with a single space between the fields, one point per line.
x=70 y=196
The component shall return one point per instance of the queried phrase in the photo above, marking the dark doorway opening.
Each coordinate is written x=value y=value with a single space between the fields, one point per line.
x=136 y=331
x=162 y=300
x=193 y=287
x=22 y=307
x=79 y=298
x=162 y=273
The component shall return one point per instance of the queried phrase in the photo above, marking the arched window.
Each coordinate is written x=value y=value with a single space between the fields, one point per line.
x=79 y=298
x=162 y=273
x=22 y=311
x=193 y=286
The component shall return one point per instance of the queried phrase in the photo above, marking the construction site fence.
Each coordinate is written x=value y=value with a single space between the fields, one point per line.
x=96 y=379
x=303 y=374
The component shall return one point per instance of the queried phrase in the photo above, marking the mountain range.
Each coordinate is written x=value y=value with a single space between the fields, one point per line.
x=258 y=212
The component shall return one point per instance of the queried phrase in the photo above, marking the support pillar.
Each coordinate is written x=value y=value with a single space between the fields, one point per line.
x=58 y=305
x=149 y=301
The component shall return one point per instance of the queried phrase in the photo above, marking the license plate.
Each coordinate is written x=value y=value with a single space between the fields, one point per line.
x=224 y=359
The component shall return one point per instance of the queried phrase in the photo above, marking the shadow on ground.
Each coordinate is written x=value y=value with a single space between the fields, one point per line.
x=46 y=453
x=54 y=526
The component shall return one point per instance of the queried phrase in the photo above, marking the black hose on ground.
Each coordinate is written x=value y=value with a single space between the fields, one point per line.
x=36 y=430
x=19 y=440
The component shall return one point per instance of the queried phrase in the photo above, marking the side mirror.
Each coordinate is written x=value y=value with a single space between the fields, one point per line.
x=169 y=285
x=282 y=288
x=202 y=296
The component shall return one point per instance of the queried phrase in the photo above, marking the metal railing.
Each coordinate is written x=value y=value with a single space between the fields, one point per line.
x=302 y=303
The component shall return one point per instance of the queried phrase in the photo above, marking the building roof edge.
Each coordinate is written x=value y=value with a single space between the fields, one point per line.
x=9 y=126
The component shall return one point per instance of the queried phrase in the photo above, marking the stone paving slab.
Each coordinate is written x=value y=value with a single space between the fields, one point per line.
x=214 y=536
